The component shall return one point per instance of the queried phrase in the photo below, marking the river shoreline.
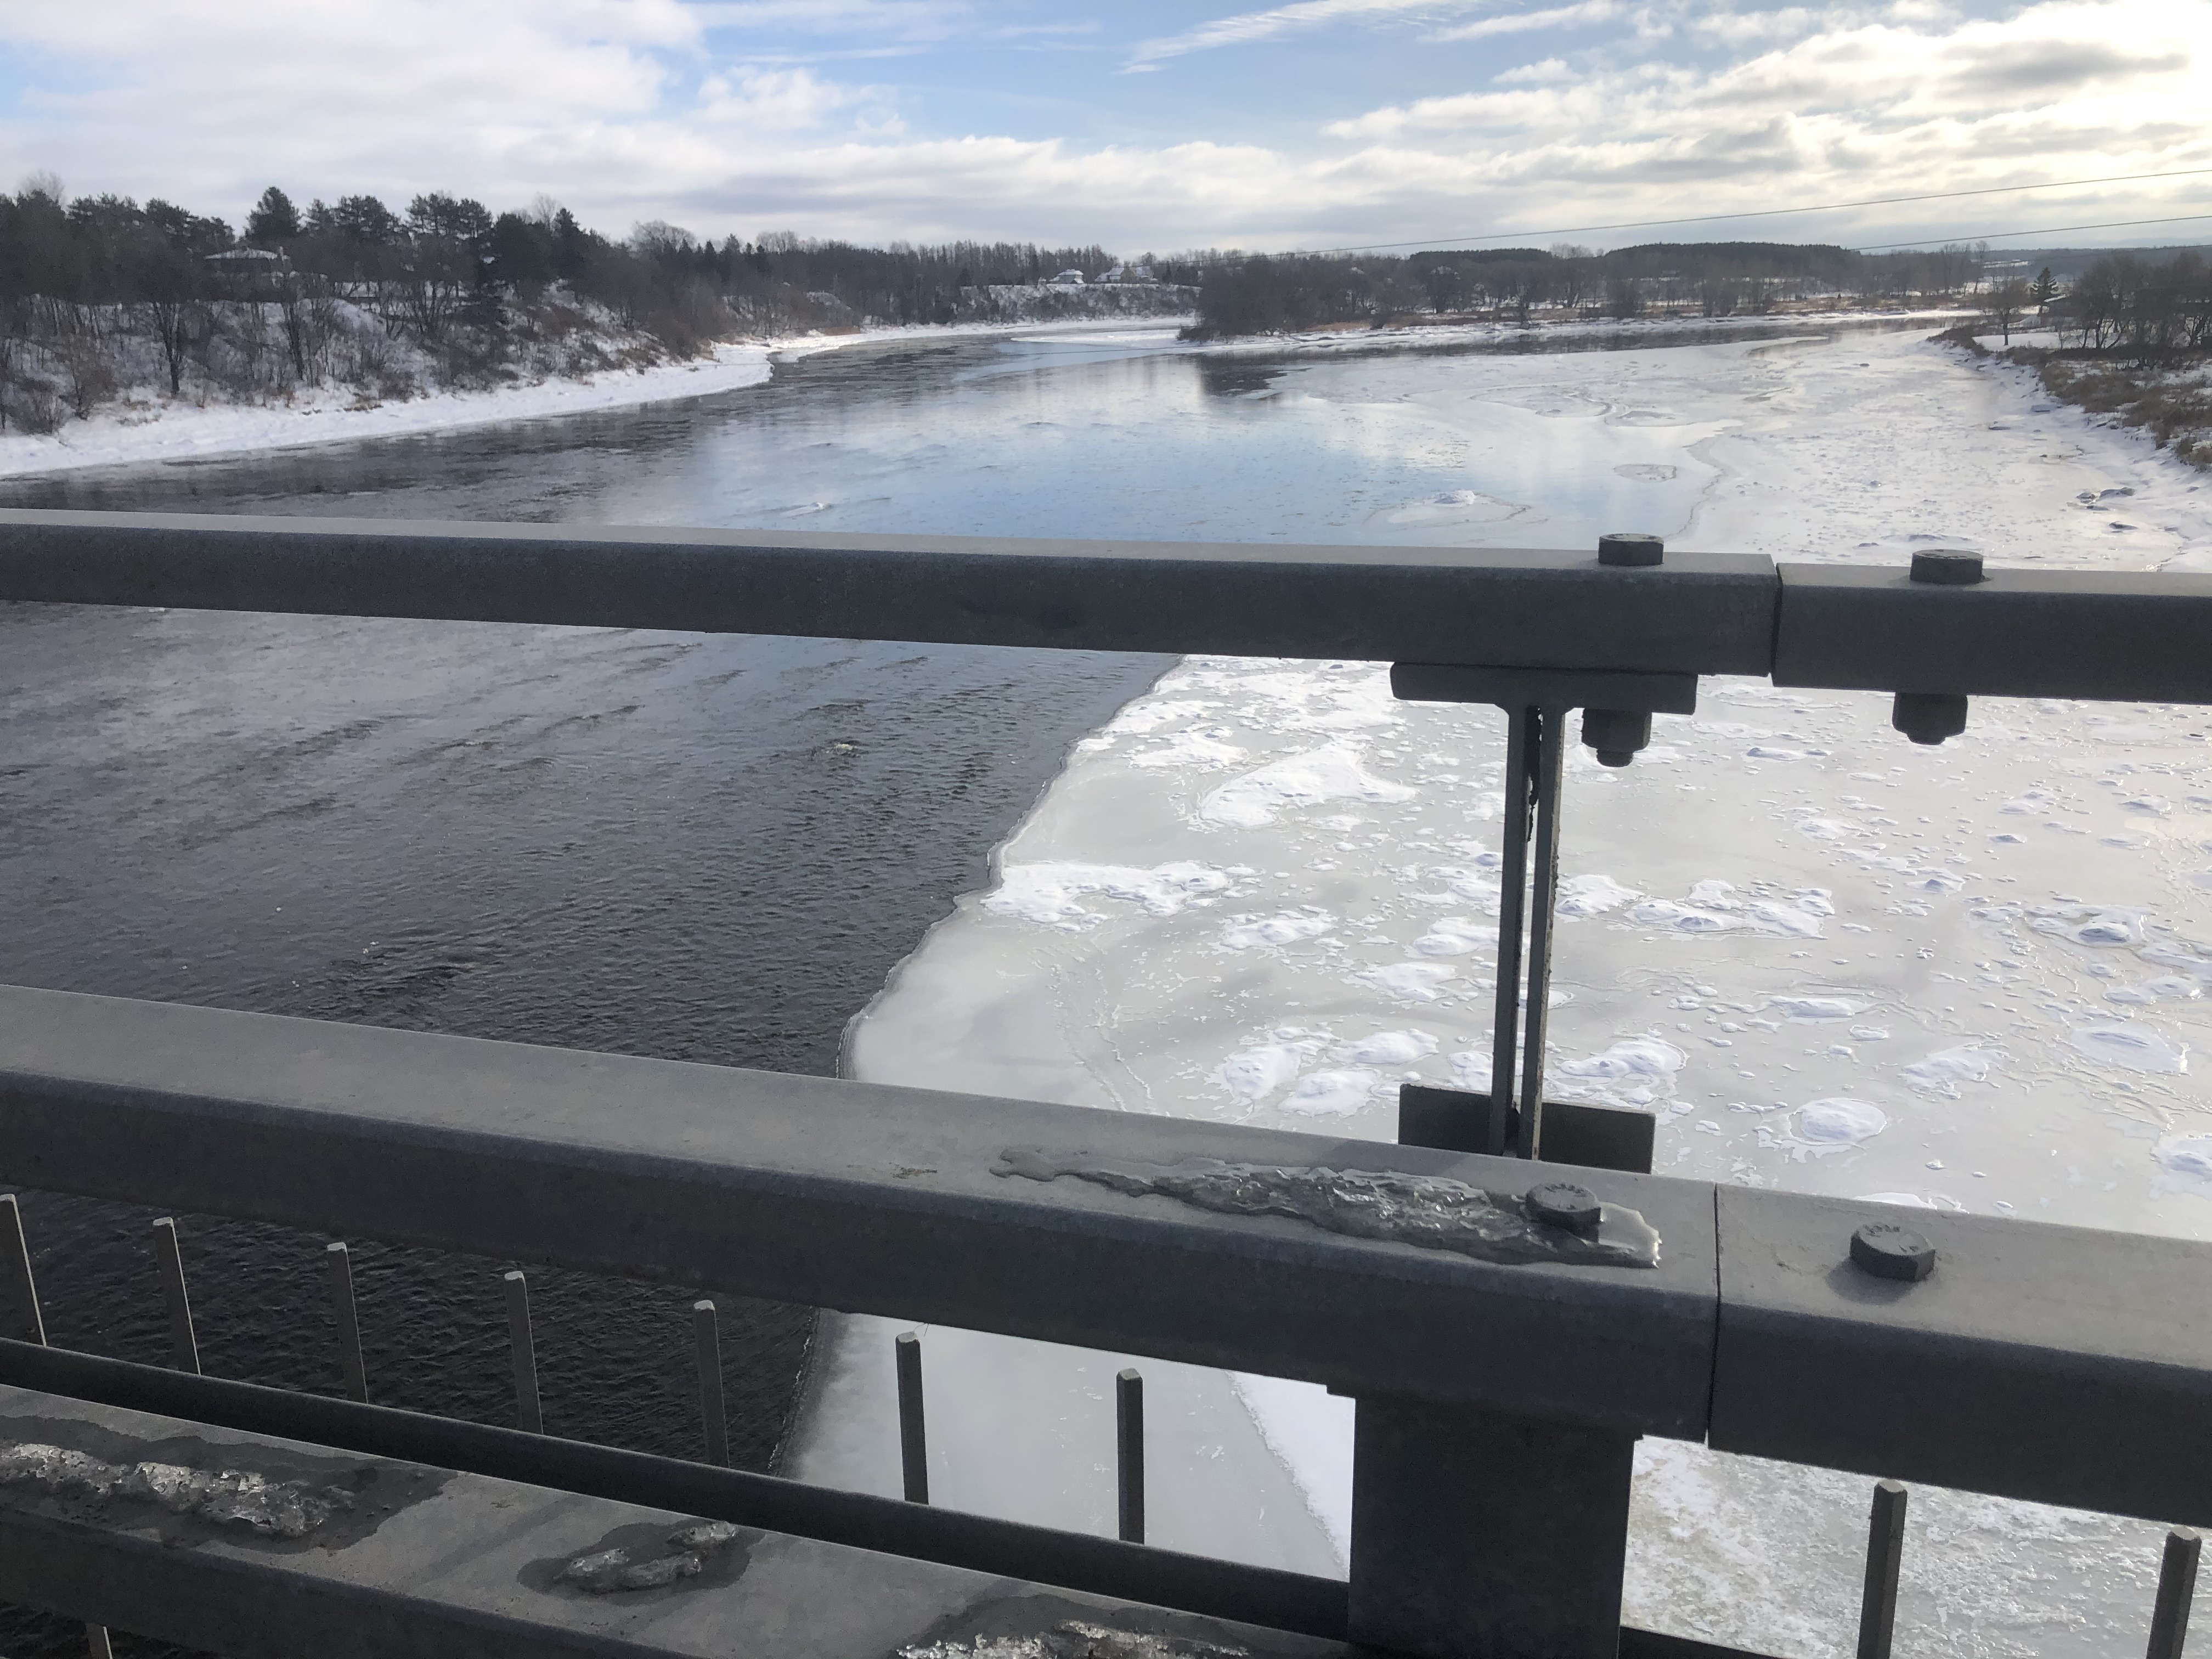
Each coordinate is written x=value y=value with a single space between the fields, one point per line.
x=153 y=430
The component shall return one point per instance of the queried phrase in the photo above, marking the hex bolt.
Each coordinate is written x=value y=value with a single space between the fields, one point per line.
x=1628 y=547
x=1950 y=566
x=1563 y=1204
x=1928 y=717
x=1615 y=733
x=1889 y=1251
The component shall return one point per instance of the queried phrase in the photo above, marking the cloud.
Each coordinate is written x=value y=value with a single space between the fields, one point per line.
x=631 y=110
x=1247 y=27
x=1873 y=80
x=790 y=99
x=1521 y=22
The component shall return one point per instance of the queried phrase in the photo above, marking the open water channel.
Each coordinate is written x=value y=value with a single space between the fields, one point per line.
x=1258 y=891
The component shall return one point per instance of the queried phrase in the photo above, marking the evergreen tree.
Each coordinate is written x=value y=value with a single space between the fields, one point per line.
x=274 y=220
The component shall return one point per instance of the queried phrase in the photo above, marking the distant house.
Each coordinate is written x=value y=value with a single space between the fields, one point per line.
x=1067 y=279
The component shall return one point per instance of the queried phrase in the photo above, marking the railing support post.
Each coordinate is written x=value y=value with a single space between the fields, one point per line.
x=1476 y=1535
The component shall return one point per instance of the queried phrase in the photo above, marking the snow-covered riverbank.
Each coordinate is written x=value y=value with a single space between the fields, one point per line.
x=1972 y=977
x=146 y=429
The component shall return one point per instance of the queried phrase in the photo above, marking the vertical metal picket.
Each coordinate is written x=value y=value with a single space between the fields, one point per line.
x=913 y=1443
x=707 y=1335
x=184 y=1346
x=528 y=1416
x=18 y=1252
x=2177 y=1588
x=1885 y=1559
x=339 y=1261
x=1129 y=1455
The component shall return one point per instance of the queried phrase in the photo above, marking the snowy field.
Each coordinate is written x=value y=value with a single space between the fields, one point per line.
x=1970 y=977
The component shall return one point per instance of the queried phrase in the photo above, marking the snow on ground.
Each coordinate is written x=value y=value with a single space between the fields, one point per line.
x=150 y=429
x=1974 y=978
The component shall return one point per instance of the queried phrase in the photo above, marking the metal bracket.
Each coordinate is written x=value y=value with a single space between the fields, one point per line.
x=1618 y=707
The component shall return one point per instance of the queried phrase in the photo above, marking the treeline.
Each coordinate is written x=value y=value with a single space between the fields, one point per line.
x=1256 y=294
x=2148 y=309
x=100 y=293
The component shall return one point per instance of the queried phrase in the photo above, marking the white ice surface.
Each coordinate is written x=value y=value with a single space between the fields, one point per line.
x=1966 y=977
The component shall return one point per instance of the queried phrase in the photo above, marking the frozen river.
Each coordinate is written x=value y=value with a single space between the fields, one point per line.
x=1970 y=977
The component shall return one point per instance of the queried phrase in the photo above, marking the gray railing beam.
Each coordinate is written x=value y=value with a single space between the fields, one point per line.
x=1700 y=613
x=978 y=1543
x=379 y=1557
x=847 y=1195
x=2021 y=632
x=886 y=1201
x=2128 y=635
x=2057 y=1365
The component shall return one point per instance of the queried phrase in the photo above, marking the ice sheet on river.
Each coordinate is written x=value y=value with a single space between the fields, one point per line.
x=1970 y=977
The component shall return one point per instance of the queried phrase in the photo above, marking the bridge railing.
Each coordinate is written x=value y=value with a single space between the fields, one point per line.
x=1507 y=1329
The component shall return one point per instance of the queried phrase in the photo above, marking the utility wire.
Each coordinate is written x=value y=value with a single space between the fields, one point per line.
x=2048 y=230
x=1771 y=213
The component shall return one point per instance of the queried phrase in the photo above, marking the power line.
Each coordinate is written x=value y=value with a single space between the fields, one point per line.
x=2048 y=230
x=1771 y=213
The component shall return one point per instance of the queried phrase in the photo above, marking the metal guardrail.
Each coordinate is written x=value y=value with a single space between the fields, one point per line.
x=1502 y=1380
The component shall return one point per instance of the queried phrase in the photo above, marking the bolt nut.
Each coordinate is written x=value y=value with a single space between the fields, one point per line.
x=1630 y=547
x=1951 y=566
x=1889 y=1251
x=1615 y=733
x=1563 y=1204
x=1928 y=717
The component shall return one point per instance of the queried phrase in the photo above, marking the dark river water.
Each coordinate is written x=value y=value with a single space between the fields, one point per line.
x=708 y=848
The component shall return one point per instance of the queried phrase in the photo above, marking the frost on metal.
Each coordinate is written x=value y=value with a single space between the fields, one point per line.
x=1076 y=1640
x=605 y=1571
x=1432 y=1211
x=222 y=1498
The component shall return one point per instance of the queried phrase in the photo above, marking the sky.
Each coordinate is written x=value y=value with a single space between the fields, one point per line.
x=1142 y=125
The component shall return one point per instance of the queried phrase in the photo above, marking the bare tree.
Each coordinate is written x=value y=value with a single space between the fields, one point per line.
x=2004 y=304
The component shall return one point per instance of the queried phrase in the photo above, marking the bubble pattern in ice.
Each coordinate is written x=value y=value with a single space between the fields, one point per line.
x=1433 y=1213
